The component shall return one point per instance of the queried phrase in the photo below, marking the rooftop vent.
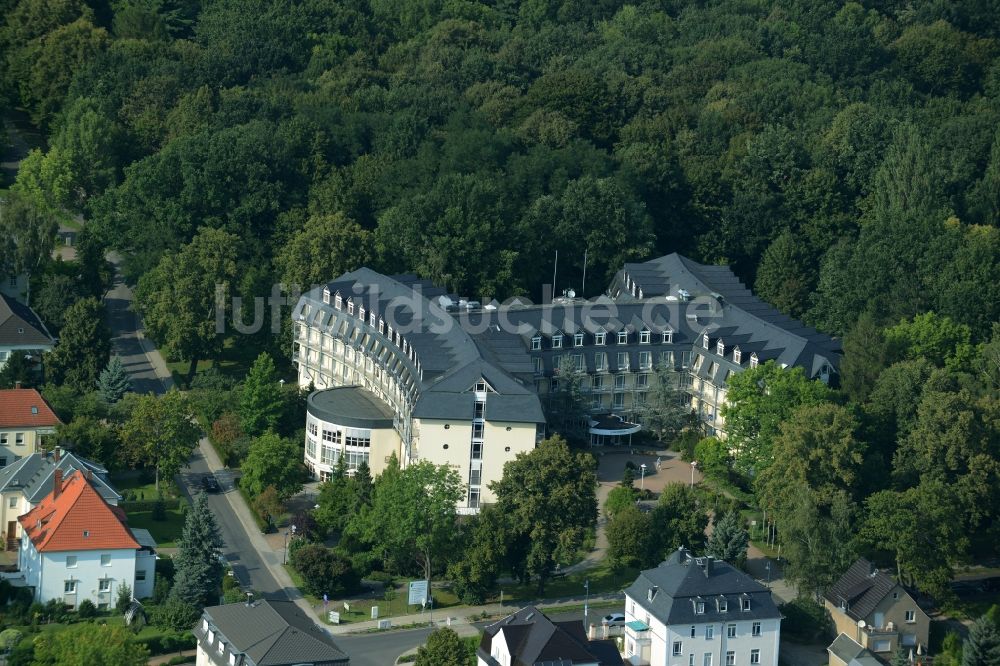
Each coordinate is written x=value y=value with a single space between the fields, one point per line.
x=651 y=593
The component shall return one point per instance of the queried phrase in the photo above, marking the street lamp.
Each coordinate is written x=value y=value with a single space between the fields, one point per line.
x=586 y=604
x=694 y=464
x=642 y=476
x=767 y=565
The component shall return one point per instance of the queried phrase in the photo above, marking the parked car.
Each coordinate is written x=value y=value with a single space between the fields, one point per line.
x=614 y=620
x=210 y=484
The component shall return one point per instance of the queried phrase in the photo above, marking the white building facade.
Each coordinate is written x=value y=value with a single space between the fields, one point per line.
x=699 y=612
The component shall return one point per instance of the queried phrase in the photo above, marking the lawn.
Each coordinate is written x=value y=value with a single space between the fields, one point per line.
x=238 y=354
x=142 y=487
x=166 y=532
x=603 y=579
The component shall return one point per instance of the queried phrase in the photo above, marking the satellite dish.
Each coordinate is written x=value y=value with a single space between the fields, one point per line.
x=861 y=624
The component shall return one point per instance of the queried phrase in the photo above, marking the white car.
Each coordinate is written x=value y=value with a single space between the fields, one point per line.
x=614 y=620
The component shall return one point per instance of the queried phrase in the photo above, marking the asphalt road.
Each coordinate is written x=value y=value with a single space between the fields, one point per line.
x=238 y=551
x=381 y=649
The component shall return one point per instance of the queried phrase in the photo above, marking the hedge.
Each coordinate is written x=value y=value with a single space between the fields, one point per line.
x=147 y=505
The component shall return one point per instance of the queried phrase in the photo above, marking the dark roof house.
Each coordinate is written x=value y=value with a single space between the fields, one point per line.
x=20 y=327
x=33 y=475
x=689 y=590
x=860 y=589
x=529 y=638
x=264 y=633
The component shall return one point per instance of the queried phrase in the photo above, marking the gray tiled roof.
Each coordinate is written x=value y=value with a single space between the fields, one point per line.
x=19 y=325
x=851 y=652
x=534 y=640
x=273 y=633
x=32 y=475
x=860 y=589
x=680 y=583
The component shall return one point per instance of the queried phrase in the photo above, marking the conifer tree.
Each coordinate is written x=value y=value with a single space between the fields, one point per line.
x=982 y=647
x=113 y=381
x=199 y=572
x=729 y=540
x=261 y=403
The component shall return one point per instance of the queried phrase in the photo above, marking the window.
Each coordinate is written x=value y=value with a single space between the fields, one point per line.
x=222 y=648
x=699 y=608
x=3 y=438
x=140 y=574
x=713 y=367
x=642 y=381
x=693 y=629
x=697 y=362
x=12 y=502
x=361 y=313
x=731 y=631
x=481 y=386
x=707 y=660
x=619 y=382
x=71 y=561
x=538 y=365
x=704 y=340
x=350 y=307
x=104 y=585
x=730 y=658
x=596 y=402
x=204 y=625
x=668 y=337
x=557 y=342
x=619 y=401
x=597 y=383
x=622 y=361
x=19 y=438
x=645 y=360
x=578 y=340
x=106 y=560
x=232 y=659
x=709 y=631
x=678 y=648
x=755 y=630
x=691 y=659
x=737 y=355
x=753 y=360
x=881 y=646
x=723 y=605
x=667 y=359
x=536 y=343
x=338 y=302
x=600 y=362
x=685 y=359
x=381 y=326
x=622 y=337
x=720 y=347
x=911 y=616
x=643 y=337
x=600 y=338
x=69 y=587
x=745 y=604
x=754 y=656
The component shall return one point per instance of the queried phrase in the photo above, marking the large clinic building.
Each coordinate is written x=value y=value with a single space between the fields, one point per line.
x=399 y=366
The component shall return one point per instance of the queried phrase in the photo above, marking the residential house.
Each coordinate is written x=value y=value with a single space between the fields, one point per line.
x=528 y=637
x=78 y=547
x=15 y=286
x=24 y=483
x=876 y=612
x=699 y=611
x=844 y=651
x=263 y=633
x=25 y=420
x=21 y=331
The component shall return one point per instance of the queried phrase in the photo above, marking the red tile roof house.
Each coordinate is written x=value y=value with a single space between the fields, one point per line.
x=78 y=547
x=25 y=418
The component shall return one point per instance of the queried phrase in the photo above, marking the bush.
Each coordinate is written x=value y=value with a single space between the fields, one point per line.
x=159 y=511
x=9 y=639
x=324 y=571
x=86 y=610
x=173 y=614
x=807 y=621
x=172 y=641
x=685 y=444
x=55 y=610
x=620 y=498
x=150 y=505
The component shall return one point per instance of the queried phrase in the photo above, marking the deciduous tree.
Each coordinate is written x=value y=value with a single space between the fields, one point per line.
x=272 y=461
x=83 y=348
x=261 y=402
x=159 y=432
x=443 y=648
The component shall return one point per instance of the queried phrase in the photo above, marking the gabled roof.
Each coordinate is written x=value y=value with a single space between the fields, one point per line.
x=75 y=517
x=273 y=633
x=532 y=639
x=851 y=652
x=25 y=408
x=20 y=326
x=860 y=589
x=33 y=475
x=681 y=582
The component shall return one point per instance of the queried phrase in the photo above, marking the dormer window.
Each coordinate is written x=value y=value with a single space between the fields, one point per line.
x=753 y=360
x=536 y=343
x=390 y=334
x=326 y=295
x=704 y=340
x=381 y=326
x=745 y=604
x=557 y=341
x=668 y=337
x=720 y=347
x=350 y=307
x=361 y=313
x=338 y=302
x=640 y=294
x=622 y=337
x=371 y=319
x=722 y=605
x=737 y=355
x=600 y=338
x=578 y=340
x=644 y=337
x=699 y=608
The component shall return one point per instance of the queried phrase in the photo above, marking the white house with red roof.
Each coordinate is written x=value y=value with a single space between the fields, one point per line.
x=25 y=418
x=78 y=547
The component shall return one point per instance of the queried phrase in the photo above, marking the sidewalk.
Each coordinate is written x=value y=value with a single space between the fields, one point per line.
x=462 y=618
x=164 y=658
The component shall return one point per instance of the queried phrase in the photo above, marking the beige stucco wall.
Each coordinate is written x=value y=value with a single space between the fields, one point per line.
x=385 y=442
x=8 y=513
x=12 y=450
x=894 y=611
x=520 y=438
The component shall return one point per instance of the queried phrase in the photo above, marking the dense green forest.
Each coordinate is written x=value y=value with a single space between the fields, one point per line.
x=843 y=157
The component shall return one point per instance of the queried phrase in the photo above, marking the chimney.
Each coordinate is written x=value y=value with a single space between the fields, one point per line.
x=708 y=565
x=249 y=599
x=89 y=475
x=17 y=384
x=56 y=483
x=56 y=454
